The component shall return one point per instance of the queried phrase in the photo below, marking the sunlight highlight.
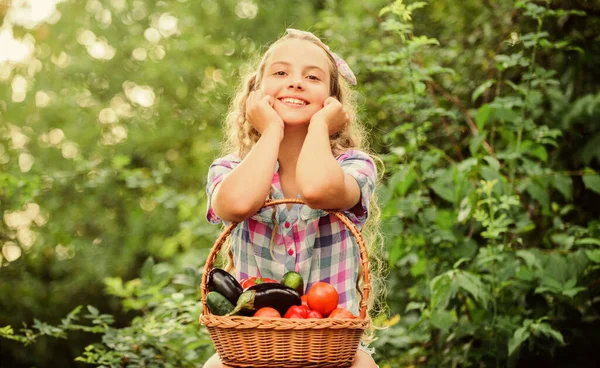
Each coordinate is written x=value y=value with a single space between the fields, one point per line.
x=42 y=99
x=246 y=9
x=167 y=25
x=101 y=50
x=19 y=87
x=18 y=139
x=14 y=51
x=26 y=162
x=30 y=13
x=55 y=136
x=11 y=251
x=70 y=150
x=141 y=95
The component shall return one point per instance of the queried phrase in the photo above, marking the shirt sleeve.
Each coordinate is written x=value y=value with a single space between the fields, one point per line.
x=218 y=170
x=362 y=168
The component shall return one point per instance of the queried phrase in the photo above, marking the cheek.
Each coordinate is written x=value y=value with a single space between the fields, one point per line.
x=269 y=88
x=322 y=97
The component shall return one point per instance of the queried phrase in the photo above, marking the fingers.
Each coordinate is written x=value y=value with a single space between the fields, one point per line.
x=260 y=112
x=267 y=99
x=252 y=102
x=334 y=114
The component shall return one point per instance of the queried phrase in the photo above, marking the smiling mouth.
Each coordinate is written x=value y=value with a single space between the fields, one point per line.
x=293 y=101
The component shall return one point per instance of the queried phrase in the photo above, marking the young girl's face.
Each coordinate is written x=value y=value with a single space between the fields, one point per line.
x=297 y=75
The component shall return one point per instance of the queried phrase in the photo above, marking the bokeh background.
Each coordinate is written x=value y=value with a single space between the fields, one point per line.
x=485 y=113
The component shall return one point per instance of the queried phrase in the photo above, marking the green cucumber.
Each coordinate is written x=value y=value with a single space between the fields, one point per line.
x=218 y=304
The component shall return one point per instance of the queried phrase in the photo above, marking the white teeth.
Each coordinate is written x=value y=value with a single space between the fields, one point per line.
x=293 y=101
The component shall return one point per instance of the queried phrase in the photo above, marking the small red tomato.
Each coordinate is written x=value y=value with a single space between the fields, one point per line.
x=313 y=314
x=246 y=283
x=296 y=311
x=267 y=312
x=323 y=298
x=251 y=281
x=341 y=313
x=304 y=299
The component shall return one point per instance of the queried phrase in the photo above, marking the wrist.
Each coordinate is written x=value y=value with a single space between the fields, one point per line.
x=318 y=125
x=274 y=130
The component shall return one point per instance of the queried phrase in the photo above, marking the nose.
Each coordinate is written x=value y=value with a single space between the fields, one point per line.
x=296 y=83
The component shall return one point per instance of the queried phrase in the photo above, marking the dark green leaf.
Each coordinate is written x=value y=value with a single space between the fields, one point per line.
x=444 y=188
x=520 y=336
x=441 y=291
x=539 y=194
x=564 y=184
x=473 y=285
x=480 y=90
x=547 y=330
x=593 y=255
x=592 y=182
x=442 y=319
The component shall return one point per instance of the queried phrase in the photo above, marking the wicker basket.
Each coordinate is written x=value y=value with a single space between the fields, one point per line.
x=281 y=342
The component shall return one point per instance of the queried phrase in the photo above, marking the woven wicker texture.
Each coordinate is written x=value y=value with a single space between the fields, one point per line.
x=281 y=342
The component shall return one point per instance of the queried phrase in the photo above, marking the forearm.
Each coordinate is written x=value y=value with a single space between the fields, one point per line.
x=320 y=178
x=245 y=189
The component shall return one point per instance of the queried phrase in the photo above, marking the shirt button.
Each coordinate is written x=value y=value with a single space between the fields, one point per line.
x=286 y=224
x=290 y=252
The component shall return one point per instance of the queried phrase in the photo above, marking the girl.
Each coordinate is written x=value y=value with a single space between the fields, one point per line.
x=293 y=134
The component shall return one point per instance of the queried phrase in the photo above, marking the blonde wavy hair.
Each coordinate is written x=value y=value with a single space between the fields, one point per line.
x=241 y=137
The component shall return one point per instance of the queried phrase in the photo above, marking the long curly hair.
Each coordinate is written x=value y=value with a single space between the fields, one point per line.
x=241 y=137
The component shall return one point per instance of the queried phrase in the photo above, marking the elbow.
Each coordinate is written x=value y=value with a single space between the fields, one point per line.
x=318 y=196
x=232 y=209
x=237 y=214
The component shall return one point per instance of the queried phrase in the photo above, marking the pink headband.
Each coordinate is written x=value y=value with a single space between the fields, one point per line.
x=342 y=66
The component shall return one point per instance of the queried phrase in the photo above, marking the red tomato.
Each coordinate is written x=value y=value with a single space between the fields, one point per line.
x=296 y=311
x=322 y=298
x=267 y=312
x=251 y=281
x=313 y=314
x=304 y=299
x=341 y=313
x=246 y=283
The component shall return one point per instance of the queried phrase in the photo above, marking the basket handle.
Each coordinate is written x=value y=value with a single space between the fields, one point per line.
x=212 y=256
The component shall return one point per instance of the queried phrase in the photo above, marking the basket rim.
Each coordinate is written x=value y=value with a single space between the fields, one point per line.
x=212 y=256
x=278 y=323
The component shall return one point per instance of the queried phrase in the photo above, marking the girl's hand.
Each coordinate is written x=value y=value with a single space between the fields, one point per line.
x=332 y=114
x=260 y=112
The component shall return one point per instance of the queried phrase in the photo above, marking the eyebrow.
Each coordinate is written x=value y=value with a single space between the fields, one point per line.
x=306 y=67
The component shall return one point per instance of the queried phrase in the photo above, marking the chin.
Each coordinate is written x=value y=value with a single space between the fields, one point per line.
x=295 y=117
x=296 y=123
x=290 y=119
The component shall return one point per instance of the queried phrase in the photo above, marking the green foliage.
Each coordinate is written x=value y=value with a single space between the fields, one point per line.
x=484 y=113
x=165 y=334
x=483 y=197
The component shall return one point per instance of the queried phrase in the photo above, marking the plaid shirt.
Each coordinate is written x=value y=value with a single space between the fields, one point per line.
x=308 y=241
